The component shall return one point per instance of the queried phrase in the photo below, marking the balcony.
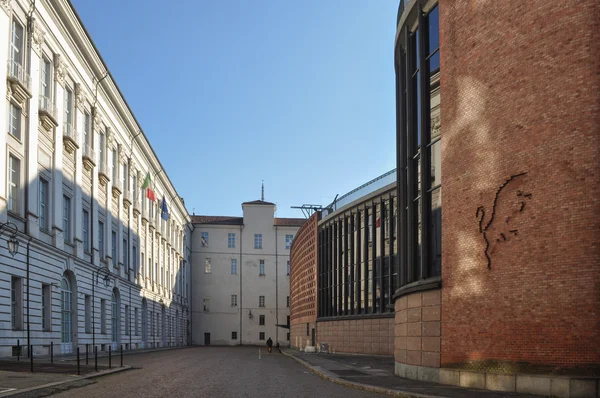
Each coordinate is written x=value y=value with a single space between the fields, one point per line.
x=117 y=190
x=88 y=157
x=145 y=217
x=47 y=112
x=20 y=82
x=103 y=175
x=127 y=199
x=70 y=140
x=136 y=208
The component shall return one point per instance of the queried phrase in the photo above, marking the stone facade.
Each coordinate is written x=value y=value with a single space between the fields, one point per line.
x=418 y=329
x=359 y=336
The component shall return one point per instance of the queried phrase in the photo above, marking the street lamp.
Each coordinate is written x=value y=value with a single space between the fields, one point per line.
x=96 y=274
x=12 y=243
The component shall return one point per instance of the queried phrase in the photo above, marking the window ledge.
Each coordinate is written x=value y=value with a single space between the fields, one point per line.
x=419 y=286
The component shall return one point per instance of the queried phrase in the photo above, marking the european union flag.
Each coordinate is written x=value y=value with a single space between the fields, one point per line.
x=164 y=210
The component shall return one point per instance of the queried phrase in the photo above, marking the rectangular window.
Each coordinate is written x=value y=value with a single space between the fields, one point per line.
x=115 y=165
x=88 y=313
x=113 y=242
x=206 y=304
x=125 y=252
x=261 y=320
x=233 y=266
x=207 y=266
x=261 y=267
x=134 y=264
x=16 y=303
x=261 y=336
x=288 y=301
x=14 y=185
x=127 y=320
x=16 y=48
x=261 y=301
x=234 y=300
x=86 y=129
x=102 y=316
x=134 y=190
x=14 y=121
x=85 y=230
x=101 y=152
x=288 y=241
x=288 y=336
x=101 y=239
x=258 y=241
x=233 y=335
x=135 y=322
x=288 y=267
x=44 y=198
x=204 y=238
x=46 y=78
x=67 y=218
x=46 y=307
x=231 y=241
x=68 y=111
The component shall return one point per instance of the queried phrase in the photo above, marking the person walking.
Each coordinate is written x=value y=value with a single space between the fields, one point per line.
x=269 y=344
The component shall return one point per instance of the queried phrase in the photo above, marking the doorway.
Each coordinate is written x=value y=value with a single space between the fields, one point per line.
x=206 y=338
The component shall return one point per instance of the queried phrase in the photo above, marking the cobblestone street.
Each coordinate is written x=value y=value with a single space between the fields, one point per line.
x=213 y=372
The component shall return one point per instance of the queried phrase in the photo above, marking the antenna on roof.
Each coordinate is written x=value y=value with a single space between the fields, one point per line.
x=262 y=191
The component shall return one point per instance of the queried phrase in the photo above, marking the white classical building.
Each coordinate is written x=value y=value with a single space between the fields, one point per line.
x=96 y=264
x=240 y=276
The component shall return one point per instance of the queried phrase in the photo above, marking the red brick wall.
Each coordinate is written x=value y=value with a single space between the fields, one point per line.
x=520 y=92
x=417 y=329
x=359 y=336
x=303 y=279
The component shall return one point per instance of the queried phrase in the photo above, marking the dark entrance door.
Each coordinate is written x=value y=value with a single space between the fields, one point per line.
x=314 y=337
x=206 y=338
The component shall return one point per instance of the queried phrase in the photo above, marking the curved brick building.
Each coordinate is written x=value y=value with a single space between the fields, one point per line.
x=504 y=98
x=498 y=115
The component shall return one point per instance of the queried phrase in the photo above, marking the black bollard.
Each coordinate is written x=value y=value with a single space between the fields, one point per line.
x=96 y=357
x=86 y=353
x=52 y=352
x=18 y=350
x=110 y=357
x=78 y=368
x=121 y=355
x=31 y=358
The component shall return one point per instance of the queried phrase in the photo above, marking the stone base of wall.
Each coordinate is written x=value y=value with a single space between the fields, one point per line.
x=556 y=386
x=358 y=336
x=298 y=336
x=418 y=329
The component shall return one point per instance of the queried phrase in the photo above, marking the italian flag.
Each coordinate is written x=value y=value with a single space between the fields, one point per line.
x=146 y=186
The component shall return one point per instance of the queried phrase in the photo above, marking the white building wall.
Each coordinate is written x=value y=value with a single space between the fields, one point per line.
x=52 y=256
x=220 y=284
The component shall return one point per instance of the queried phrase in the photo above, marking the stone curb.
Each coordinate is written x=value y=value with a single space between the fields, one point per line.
x=324 y=374
x=56 y=383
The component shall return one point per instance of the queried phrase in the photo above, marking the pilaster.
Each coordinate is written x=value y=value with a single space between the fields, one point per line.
x=57 y=178
x=4 y=27
x=32 y=176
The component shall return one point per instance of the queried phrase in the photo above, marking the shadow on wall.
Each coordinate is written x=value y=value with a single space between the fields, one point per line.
x=85 y=280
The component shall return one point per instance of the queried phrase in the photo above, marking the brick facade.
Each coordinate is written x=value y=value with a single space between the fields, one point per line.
x=418 y=329
x=303 y=281
x=520 y=94
x=359 y=336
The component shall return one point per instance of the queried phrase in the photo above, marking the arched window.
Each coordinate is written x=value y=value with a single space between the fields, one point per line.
x=66 y=311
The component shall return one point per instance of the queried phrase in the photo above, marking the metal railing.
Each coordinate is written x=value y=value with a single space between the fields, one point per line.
x=363 y=190
x=46 y=105
x=17 y=72
x=69 y=132
x=89 y=152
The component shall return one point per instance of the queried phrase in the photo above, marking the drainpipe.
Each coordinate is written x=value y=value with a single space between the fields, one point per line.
x=276 y=289
x=241 y=297
x=28 y=283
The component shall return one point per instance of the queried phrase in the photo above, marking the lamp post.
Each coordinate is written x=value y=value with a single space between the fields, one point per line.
x=95 y=279
x=12 y=243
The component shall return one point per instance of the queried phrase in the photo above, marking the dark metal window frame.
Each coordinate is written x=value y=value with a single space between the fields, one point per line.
x=407 y=118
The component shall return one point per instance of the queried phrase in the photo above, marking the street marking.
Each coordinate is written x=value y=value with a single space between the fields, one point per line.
x=259 y=353
x=4 y=389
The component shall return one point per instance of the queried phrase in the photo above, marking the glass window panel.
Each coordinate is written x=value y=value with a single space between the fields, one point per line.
x=434 y=38
x=436 y=232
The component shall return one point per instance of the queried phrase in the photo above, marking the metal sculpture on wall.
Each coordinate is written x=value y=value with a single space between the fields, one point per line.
x=509 y=209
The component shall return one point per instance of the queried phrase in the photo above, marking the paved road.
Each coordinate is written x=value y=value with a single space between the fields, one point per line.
x=213 y=372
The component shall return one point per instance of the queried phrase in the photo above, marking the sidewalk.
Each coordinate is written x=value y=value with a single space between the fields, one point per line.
x=376 y=373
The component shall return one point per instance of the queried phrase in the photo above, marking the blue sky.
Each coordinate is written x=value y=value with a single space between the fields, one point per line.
x=299 y=94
